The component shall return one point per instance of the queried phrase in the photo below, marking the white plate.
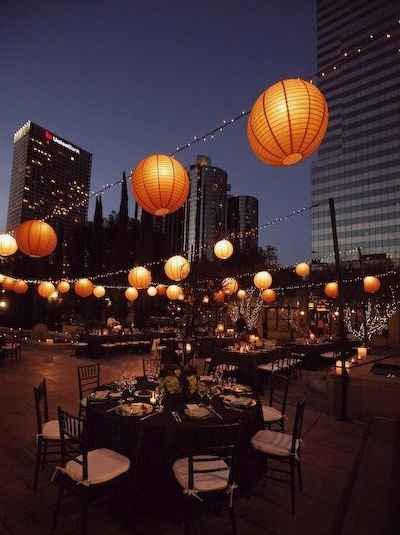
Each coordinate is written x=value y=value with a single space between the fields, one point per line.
x=196 y=411
x=135 y=409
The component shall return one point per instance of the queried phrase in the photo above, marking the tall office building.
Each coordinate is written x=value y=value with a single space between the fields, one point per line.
x=359 y=161
x=242 y=220
x=205 y=209
x=49 y=176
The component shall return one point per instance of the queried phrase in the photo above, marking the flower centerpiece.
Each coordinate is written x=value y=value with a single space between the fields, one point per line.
x=180 y=384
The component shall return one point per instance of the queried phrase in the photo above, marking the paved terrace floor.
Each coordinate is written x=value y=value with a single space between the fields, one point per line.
x=334 y=459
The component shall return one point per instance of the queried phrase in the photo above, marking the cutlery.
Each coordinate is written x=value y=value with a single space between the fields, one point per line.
x=213 y=411
x=114 y=408
x=150 y=415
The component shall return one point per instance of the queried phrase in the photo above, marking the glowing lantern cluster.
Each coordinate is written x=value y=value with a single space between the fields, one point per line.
x=288 y=122
x=332 y=290
x=177 y=268
x=268 y=296
x=160 y=184
x=131 y=294
x=262 y=280
x=139 y=277
x=36 y=238
x=152 y=291
x=63 y=287
x=229 y=286
x=302 y=269
x=83 y=288
x=241 y=294
x=45 y=289
x=371 y=284
x=174 y=292
x=8 y=283
x=20 y=287
x=223 y=249
x=8 y=245
x=99 y=291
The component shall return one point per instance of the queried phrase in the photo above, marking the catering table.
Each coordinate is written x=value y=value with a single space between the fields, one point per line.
x=99 y=345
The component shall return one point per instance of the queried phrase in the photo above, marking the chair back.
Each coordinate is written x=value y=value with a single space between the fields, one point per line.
x=279 y=391
x=73 y=440
x=42 y=410
x=151 y=367
x=88 y=379
x=298 y=427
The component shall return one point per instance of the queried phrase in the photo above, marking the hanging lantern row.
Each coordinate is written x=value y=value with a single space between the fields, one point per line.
x=177 y=268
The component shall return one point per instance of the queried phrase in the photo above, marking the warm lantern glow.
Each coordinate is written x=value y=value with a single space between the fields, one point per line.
x=36 y=238
x=2 y=277
x=262 y=280
x=288 y=122
x=63 y=287
x=303 y=269
x=173 y=292
x=371 y=284
x=99 y=291
x=8 y=283
x=181 y=296
x=223 y=249
x=8 y=245
x=161 y=289
x=268 y=296
x=131 y=294
x=53 y=296
x=160 y=184
x=152 y=291
x=177 y=268
x=241 y=294
x=361 y=352
x=219 y=296
x=206 y=299
x=229 y=286
x=83 y=287
x=220 y=328
x=332 y=290
x=20 y=287
x=139 y=277
x=45 y=289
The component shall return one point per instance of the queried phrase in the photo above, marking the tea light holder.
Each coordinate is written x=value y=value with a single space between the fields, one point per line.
x=339 y=366
x=362 y=352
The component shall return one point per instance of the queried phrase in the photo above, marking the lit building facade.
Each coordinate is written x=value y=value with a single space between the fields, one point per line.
x=359 y=161
x=49 y=176
x=242 y=221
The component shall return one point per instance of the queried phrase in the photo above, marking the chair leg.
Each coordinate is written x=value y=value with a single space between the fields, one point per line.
x=300 y=476
x=233 y=519
x=58 y=508
x=37 y=465
x=292 y=486
x=44 y=455
x=85 y=510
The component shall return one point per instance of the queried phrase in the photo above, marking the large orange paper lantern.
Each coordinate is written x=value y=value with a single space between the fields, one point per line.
x=288 y=122
x=160 y=184
x=177 y=268
x=223 y=249
x=371 y=284
x=8 y=245
x=131 y=294
x=99 y=291
x=8 y=283
x=219 y=296
x=45 y=289
x=173 y=292
x=241 y=294
x=36 y=238
x=332 y=290
x=229 y=286
x=63 y=287
x=83 y=287
x=268 y=296
x=20 y=287
x=262 y=280
x=139 y=277
x=161 y=289
x=302 y=269
x=2 y=277
x=152 y=291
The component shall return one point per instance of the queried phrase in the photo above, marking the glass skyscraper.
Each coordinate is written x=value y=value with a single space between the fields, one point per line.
x=359 y=161
x=242 y=221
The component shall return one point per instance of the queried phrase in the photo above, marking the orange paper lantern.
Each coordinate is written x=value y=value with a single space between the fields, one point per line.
x=45 y=289
x=177 y=268
x=262 y=280
x=160 y=184
x=219 y=296
x=20 y=287
x=83 y=287
x=229 y=286
x=223 y=249
x=99 y=291
x=268 y=296
x=63 y=287
x=302 y=269
x=8 y=283
x=173 y=292
x=161 y=289
x=371 y=284
x=241 y=294
x=36 y=238
x=8 y=245
x=139 y=277
x=332 y=290
x=131 y=294
x=288 y=122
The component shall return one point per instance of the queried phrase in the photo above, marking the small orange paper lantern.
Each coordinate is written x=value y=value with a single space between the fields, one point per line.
x=161 y=289
x=152 y=291
x=229 y=286
x=268 y=296
x=53 y=296
x=223 y=249
x=63 y=287
x=8 y=283
x=20 y=287
x=36 y=238
x=262 y=280
x=139 y=277
x=131 y=294
x=332 y=290
x=177 y=268
x=371 y=284
x=8 y=245
x=99 y=291
x=241 y=294
x=83 y=287
x=160 y=184
x=173 y=292
x=288 y=122
x=45 y=289
x=219 y=296
x=302 y=269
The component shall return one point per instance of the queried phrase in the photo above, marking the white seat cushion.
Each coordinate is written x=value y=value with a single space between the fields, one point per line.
x=103 y=465
x=270 y=414
x=84 y=402
x=207 y=482
x=268 y=367
x=273 y=442
x=328 y=355
x=51 y=430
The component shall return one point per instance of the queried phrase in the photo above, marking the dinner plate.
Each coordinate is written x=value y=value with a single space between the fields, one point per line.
x=196 y=411
x=145 y=393
x=241 y=402
x=240 y=389
x=99 y=395
x=115 y=395
x=135 y=409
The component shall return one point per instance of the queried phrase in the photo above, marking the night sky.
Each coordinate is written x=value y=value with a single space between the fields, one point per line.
x=124 y=79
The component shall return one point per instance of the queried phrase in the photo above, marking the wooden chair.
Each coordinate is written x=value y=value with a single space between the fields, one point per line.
x=88 y=380
x=278 y=393
x=48 y=432
x=88 y=475
x=284 y=448
x=151 y=368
